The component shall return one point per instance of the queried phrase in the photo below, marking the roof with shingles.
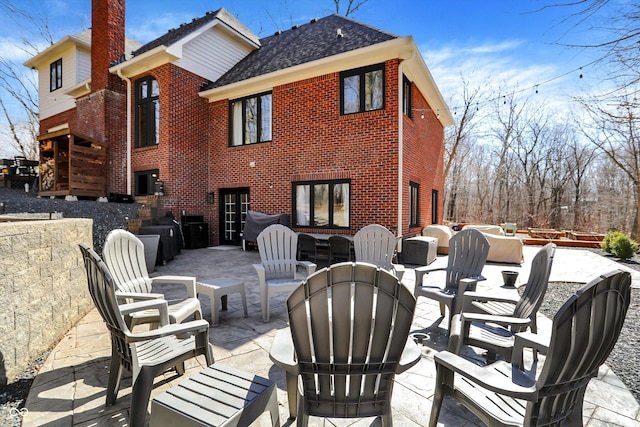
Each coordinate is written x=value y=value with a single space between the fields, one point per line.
x=301 y=44
x=176 y=34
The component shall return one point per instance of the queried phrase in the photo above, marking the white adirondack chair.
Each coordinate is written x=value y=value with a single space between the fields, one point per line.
x=278 y=247
x=376 y=245
x=146 y=354
x=124 y=256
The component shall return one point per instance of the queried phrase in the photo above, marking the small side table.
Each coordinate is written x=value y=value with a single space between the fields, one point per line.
x=218 y=289
x=218 y=396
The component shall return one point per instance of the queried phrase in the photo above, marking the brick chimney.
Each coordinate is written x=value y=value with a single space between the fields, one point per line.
x=102 y=113
x=107 y=42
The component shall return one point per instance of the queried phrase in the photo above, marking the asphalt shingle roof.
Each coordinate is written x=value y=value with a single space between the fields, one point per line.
x=309 y=42
x=175 y=34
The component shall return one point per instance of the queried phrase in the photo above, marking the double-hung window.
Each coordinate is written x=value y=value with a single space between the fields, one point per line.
x=55 y=70
x=147 y=112
x=322 y=204
x=362 y=89
x=414 y=204
x=250 y=119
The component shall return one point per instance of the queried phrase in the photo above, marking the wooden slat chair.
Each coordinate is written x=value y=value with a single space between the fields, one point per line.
x=490 y=322
x=468 y=251
x=124 y=256
x=146 y=354
x=278 y=246
x=376 y=245
x=583 y=333
x=349 y=325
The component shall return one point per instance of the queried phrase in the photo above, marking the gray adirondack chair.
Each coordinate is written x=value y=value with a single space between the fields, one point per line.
x=349 y=325
x=376 y=245
x=496 y=320
x=278 y=246
x=146 y=354
x=584 y=331
x=468 y=251
x=124 y=256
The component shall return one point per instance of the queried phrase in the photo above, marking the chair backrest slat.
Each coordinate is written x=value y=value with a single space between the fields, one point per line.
x=584 y=331
x=349 y=324
x=123 y=254
x=537 y=284
x=468 y=250
x=376 y=245
x=278 y=247
x=102 y=291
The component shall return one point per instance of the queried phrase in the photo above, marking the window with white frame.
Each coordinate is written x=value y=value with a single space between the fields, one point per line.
x=322 y=204
x=362 y=89
x=250 y=120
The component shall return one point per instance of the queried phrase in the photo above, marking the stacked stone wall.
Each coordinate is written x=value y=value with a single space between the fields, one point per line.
x=43 y=289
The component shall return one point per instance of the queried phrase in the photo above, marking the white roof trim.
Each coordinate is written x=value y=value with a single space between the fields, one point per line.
x=149 y=60
x=402 y=47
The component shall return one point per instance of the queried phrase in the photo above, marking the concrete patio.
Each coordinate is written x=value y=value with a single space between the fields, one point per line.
x=70 y=388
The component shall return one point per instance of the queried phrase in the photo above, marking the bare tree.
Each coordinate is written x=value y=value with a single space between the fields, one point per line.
x=19 y=100
x=615 y=131
x=352 y=6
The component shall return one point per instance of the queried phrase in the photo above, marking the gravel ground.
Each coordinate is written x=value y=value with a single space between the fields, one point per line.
x=624 y=359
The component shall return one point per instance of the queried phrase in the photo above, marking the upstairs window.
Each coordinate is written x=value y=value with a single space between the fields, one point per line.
x=250 y=119
x=55 y=70
x=147 y=112
x=322 y=204
x=362 y=89
x=406 y=96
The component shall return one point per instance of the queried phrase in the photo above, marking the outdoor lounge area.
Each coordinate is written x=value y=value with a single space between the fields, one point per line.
x=71 y=388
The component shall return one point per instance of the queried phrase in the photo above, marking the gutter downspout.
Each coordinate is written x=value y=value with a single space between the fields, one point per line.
x=128 y=129
x=401 y=146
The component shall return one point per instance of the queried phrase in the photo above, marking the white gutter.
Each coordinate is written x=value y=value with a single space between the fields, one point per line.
x=401 y=145
x=119 y=71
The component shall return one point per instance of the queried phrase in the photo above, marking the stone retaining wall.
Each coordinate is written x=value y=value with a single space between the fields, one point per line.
x=43 y=287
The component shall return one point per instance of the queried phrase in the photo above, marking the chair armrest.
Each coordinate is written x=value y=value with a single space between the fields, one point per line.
x=262 y=273
x=464 y=285
x=136 y=296
x=193 y=326
x=523 y=340
x=282 y=352
x=520 y=386
x=410 y=356
x=421 y=271
x=308 y=265
x=498 y=320
x=188 y=281
x=159 y=304
x=473 y=296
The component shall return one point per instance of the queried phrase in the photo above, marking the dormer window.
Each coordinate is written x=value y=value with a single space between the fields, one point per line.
x=56 y=75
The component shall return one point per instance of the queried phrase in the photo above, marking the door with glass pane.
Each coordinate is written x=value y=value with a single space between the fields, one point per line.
x=235 y=204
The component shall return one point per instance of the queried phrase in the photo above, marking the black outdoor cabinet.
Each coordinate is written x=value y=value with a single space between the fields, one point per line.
x=195 y=231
